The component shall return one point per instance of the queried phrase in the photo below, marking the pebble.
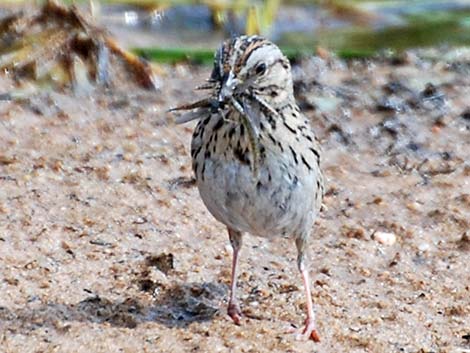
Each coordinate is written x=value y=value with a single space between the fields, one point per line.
x=424 y=247
x=385 y=238
x=413 y=206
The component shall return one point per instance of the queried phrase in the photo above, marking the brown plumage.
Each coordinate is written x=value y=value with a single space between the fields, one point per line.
x=255 y=156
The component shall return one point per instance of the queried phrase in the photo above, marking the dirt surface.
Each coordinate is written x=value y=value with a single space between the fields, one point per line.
x=105 y=245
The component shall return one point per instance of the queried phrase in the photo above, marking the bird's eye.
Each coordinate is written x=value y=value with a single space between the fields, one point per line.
x=260 y=69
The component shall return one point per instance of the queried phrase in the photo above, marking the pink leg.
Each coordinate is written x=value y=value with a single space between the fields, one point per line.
x=233 y=309
x=309 y=331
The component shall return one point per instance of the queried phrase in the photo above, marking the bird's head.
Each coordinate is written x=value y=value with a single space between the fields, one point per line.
x=251 y=66
x=249 y=72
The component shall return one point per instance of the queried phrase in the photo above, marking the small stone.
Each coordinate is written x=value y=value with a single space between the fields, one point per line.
x=129 y=147
x=378 y=200
x=385 y=238
x=353 y=232
x=413 y=206
x=127 y=157
x=6 y=160
x=423 y=247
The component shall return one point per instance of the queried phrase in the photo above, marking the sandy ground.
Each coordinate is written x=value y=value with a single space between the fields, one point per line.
x=105 y=245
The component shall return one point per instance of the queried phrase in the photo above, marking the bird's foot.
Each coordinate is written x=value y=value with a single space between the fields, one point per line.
x=308 y=332
x=235 y=313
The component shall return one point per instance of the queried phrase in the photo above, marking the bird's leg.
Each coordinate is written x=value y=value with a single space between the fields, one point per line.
x=309 y=331
x=233 y=308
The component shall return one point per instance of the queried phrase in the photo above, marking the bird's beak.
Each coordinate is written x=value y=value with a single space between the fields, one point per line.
x=229 y=86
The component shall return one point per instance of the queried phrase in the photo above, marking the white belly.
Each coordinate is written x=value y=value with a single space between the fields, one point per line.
x=279 y=202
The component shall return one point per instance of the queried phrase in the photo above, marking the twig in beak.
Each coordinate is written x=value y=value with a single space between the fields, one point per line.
x=189 y=116
x=203 y=106
x=265 y=104
x=253 y=136
x=203 y=103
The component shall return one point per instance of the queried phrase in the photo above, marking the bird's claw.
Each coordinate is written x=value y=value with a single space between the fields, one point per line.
x=309 y=332
x=235 y=313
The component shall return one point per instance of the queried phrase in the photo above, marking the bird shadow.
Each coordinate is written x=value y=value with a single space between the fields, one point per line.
x=177 y=305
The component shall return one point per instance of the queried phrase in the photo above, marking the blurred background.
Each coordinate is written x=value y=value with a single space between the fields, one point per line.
x=169 y=30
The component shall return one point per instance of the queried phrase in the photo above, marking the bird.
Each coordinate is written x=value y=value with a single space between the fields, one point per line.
x=255 y=156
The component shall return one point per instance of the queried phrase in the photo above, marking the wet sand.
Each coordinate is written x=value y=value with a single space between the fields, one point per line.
x=105 y=245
